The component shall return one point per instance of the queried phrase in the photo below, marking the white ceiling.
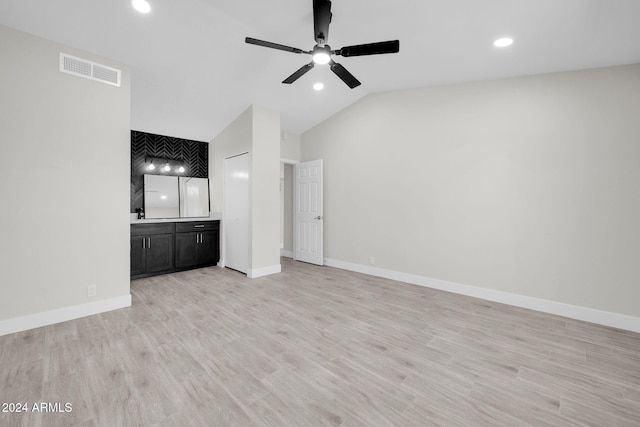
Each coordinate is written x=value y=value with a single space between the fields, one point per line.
x=193 y=74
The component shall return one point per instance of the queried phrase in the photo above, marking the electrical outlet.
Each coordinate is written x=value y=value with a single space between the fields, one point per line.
x=372 y=260
x=91 y=290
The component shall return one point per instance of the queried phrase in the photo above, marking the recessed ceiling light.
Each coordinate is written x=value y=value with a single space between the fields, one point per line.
x=318 y=86
x=141 y=6
x=503 y=42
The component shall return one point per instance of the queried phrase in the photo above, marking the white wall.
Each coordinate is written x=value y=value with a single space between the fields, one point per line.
x=256 y=131
x=64 y=183
x=526 y=185
x=289 y=154
x=290 y=147
x=265 y=191
x=233 y=140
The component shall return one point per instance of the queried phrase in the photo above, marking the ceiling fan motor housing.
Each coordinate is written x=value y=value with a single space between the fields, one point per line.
x=321 y=52
x=321 y=20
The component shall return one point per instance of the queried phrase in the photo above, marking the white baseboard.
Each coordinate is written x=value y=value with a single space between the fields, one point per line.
x=23 y=323
x=264 y=271
x=286 y=253
x=606 y=318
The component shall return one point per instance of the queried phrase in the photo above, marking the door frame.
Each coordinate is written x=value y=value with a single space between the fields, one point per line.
x=293 y=225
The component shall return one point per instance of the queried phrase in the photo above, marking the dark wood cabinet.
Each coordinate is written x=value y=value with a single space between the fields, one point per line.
x=159 y=248
x=151 y=249
x=197 y=244
x=138 y=259
x=209 y=248
x=186 y=248
x=159 y=253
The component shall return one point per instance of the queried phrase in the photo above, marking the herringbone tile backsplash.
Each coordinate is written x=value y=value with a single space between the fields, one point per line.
x=194 y=155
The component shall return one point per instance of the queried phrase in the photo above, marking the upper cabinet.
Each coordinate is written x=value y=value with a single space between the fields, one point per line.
x=175 y=197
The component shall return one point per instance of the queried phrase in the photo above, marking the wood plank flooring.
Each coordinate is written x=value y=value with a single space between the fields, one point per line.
x=318 y=346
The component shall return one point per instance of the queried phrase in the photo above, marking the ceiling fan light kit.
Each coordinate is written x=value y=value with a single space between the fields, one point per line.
x=321 y=55
x=321 y=52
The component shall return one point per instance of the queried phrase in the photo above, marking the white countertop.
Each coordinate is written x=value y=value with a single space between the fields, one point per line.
x=213 y=216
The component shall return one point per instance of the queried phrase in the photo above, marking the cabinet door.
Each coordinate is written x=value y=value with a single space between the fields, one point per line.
x=186 y=249
x=159 y=255
x=138 y=243
x=208 y=248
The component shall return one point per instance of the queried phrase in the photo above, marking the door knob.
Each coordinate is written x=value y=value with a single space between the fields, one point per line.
x=318 y=217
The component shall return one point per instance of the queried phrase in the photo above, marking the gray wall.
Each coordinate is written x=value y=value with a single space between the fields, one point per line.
x=64 y=180
x=287 y=220
x=526 y=185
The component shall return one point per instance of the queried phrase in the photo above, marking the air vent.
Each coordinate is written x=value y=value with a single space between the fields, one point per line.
x=89 y=70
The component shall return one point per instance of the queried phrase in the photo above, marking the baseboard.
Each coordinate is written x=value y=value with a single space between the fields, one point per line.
x=23 y=323
x=263 y=271
x=286 y=253
x=606 y=318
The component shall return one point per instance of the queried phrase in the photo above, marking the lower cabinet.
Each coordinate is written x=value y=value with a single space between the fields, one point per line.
x=160 y=248
x=152 y=247
x=197 y=244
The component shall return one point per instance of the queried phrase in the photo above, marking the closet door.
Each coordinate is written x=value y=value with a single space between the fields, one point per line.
x=236 y=213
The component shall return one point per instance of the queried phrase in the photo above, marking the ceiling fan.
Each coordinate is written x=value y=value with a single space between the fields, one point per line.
x=321 y=52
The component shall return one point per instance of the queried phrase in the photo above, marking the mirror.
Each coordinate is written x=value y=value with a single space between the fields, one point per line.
x=194 y=197
x=161 y=196
x=175 y=197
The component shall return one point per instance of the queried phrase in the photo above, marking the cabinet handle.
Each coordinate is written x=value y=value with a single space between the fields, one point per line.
x=198 y=226
x=149 y=245
x=144 y=243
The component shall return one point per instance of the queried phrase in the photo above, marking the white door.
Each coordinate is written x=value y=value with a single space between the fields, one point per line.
x=308 y=221
x=236 y=212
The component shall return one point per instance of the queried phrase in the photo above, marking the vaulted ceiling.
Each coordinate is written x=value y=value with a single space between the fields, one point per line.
x=192 y=73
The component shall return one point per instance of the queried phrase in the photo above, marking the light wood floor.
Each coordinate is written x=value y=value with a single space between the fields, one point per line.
x=317 y=346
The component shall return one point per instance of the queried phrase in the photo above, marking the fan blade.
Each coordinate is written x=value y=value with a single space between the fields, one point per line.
x=321 y=20
x=392 y=46
x=273 y=45
x=344 y=75
x=301 y=72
